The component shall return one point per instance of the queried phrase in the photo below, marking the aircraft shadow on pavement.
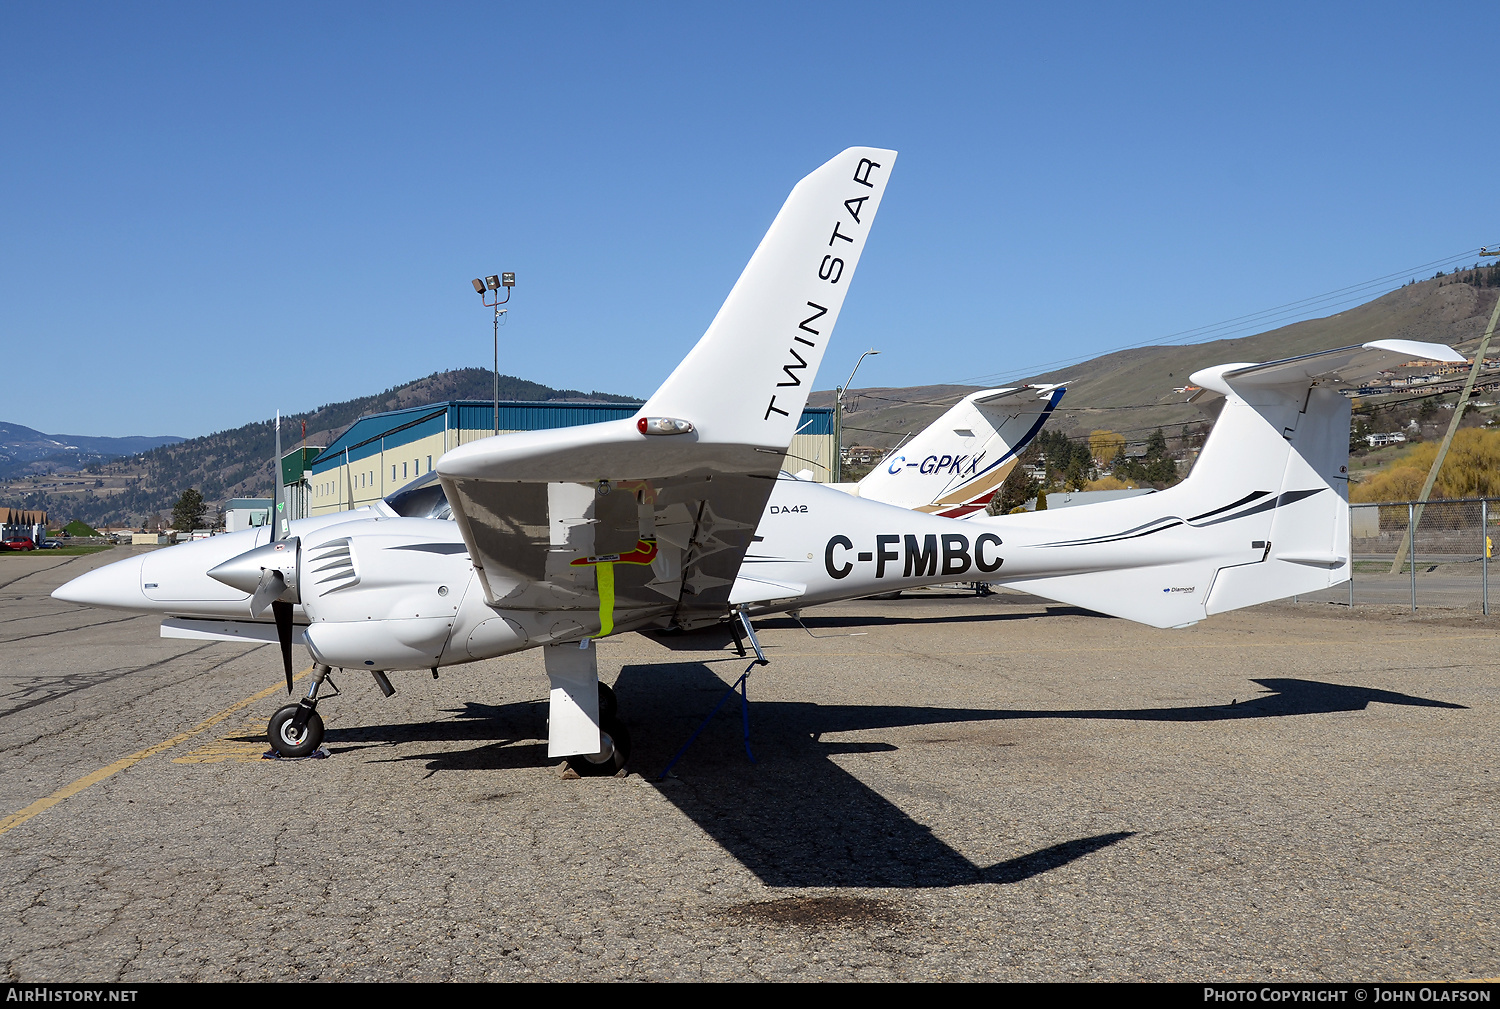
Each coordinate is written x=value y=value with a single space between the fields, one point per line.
x=508 y=735
x=1281 y=697
x=796 y=818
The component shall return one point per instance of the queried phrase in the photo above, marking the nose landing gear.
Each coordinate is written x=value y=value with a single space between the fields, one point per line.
x=297 y=729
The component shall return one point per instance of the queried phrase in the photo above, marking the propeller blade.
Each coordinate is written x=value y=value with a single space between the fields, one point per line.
x=271 y=586
x=276 y=509
x=283 y=613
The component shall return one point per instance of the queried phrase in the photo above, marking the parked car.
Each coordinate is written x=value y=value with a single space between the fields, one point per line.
x=24 y=543
x=51 y=545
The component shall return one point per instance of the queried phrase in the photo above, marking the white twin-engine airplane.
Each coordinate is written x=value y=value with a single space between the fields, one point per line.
x=680 y=518
x=958 y=462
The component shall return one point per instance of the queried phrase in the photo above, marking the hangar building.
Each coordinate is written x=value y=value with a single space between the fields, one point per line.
x=383 y=452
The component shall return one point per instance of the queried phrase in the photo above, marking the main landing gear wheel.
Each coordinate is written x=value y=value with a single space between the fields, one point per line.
x=289 y=741
x=609 y=708
x=613 y=753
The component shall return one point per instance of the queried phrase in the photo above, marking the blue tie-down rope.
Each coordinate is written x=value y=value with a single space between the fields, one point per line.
x=739 y=685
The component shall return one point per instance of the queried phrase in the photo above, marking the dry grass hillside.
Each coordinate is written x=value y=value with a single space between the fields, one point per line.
x=1134 y=391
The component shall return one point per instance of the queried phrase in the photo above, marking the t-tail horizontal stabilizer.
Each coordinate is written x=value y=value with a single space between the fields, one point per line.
x=1264 y=514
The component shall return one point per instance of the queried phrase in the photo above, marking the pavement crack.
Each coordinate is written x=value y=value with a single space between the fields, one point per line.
x=72 y=677
x=70 y=630
x=49 y=567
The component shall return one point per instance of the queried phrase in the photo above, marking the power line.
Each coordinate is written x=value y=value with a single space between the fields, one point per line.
x=1236 y=326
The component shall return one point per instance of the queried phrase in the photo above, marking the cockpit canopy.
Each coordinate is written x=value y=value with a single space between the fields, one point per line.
x=421 y=499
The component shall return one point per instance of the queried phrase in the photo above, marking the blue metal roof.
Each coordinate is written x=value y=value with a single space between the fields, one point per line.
x=390 y=430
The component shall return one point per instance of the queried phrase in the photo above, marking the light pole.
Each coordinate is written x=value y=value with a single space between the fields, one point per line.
x=838 y=419
x=484 y=288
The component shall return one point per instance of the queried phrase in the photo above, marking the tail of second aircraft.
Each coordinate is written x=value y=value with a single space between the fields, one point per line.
x=958 y=462
x=1264 y=514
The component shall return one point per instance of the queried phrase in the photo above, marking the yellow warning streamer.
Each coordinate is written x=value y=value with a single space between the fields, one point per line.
x=605 y=573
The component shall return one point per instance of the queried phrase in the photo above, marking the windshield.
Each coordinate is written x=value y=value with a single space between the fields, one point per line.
x=421 y=499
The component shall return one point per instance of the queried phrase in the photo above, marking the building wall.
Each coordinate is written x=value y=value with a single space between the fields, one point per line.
x=811 y=451
x=385 y=465
x=240 y=519
x=385 y=471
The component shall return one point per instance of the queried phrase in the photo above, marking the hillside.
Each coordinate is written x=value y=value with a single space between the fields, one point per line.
x=237 y=462
x=23 y=450
x=1134 y=391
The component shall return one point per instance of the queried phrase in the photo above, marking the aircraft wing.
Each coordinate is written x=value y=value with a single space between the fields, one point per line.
x=646 y=521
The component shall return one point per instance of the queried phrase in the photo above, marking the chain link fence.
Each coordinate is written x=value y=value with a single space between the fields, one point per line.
x=1447 y=565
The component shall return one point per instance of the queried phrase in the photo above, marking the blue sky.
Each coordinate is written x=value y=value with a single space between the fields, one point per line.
x=210 y=211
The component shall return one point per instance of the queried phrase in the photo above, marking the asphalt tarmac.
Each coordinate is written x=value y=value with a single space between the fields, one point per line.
x=946 y=787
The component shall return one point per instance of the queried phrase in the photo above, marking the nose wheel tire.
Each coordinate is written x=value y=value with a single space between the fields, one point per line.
x=613 y=754
x=286 y=739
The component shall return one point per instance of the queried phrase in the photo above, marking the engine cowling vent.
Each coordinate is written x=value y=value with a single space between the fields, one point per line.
x=331 y=566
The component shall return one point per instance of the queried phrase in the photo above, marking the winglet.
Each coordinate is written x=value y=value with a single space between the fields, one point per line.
x=747 y=379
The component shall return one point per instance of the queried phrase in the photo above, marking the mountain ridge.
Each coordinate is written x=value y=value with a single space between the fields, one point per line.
x=236 y=462
x=1132 y=391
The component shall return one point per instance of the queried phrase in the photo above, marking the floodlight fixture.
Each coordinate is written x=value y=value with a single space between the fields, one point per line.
x=485 y=287
x=838 y=418
x=478 y=285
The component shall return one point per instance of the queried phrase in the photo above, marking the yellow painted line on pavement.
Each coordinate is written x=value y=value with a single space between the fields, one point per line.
x=243 y=744
x=68 y=791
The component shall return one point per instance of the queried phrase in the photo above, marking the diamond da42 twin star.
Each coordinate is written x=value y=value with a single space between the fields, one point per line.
x=680 y=516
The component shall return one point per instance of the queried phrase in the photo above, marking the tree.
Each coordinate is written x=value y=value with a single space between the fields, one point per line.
x=187 y=513
x=1068 y=461
x=1019 y=487
x=1470 y=469
x=1154 y=467
x=1105 y=445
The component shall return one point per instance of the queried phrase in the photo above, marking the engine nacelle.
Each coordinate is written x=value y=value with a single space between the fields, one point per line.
x=414 y=643
x=383 y=593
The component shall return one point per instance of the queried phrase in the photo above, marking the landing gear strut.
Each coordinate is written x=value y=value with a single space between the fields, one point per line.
x=297 y=729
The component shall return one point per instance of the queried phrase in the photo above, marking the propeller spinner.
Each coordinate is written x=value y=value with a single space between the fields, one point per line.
x=269 y=574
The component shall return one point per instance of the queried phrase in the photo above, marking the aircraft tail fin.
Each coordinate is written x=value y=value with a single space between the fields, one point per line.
x=1264 y=514
x=955 y=465
x=768 y=338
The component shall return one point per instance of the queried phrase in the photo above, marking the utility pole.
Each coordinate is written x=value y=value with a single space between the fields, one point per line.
x=483 y=288
x=838 y=419
x=1458 y=414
